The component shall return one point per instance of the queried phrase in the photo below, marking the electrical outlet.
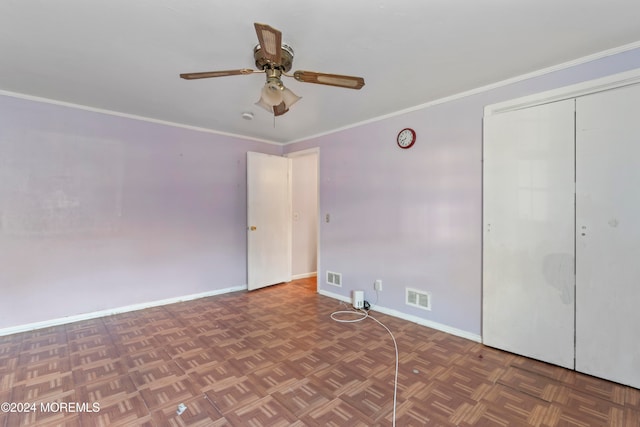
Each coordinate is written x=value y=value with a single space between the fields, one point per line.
x=377 y=285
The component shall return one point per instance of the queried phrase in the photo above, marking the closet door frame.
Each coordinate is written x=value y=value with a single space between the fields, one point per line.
x=613 y=81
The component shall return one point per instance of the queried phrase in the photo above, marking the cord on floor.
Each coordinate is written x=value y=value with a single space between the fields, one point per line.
x=365 y=315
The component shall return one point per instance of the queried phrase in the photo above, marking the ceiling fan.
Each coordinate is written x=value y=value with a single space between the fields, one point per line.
x=275 y=59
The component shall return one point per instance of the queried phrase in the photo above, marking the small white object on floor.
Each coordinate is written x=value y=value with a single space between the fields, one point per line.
x=181 y=408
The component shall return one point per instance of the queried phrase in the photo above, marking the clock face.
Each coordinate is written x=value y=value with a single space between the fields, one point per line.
x=406 y=138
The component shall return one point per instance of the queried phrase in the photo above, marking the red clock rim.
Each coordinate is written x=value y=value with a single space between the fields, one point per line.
x=413 y=139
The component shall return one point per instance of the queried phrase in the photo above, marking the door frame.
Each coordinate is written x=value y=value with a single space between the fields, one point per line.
x=312 y=152
x=572 y=91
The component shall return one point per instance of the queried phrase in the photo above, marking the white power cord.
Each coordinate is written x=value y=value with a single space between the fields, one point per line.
x=364 y=315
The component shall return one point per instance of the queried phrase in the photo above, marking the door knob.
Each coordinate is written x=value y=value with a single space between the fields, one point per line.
x=253 y=228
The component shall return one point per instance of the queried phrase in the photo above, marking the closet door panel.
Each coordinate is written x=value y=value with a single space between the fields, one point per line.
x=528 y=236
x=608 y=235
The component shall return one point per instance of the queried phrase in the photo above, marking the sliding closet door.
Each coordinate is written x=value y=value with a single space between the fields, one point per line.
x=528 y=236
x=608 y=235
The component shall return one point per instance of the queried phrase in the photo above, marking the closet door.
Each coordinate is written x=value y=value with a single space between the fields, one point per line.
x=528 y=236
x=608 y=235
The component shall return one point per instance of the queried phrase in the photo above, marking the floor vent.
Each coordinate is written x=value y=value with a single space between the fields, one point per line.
x=420 y=299
x=334 y=279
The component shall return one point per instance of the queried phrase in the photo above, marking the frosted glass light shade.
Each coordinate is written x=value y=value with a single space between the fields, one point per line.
x=289 y=97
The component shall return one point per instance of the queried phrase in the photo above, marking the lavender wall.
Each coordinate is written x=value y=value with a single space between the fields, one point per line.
x=413 y=217
x=101 y=212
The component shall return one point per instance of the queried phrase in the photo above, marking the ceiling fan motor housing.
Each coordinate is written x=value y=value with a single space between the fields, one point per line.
x=286 y=61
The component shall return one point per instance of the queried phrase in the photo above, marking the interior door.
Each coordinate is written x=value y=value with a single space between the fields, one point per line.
x=528 y=236
x=608 y=235
x=269 y=220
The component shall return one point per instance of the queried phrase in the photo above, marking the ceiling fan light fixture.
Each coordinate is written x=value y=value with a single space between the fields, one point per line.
x=273 y=95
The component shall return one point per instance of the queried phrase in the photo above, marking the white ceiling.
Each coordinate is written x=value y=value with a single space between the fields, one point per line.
x=125 y=55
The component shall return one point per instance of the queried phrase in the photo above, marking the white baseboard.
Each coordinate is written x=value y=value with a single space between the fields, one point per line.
x=109 y=312
x=134 y=307
x=411 y=318
x=304 y=275
x=334 y=296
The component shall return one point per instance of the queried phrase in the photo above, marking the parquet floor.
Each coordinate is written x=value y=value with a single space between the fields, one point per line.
x=274 y=357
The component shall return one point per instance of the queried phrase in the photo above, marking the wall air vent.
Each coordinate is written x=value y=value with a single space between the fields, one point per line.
x=334 y=279
x=420 y=299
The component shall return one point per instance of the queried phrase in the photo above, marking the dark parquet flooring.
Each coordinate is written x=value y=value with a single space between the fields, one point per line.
x=273 y=357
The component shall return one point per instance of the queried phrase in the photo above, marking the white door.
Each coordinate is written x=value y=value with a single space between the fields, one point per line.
x=528 y=235
x=268 y=220
x=608 y=235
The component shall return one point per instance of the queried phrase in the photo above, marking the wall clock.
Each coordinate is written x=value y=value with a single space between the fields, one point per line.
x=406 y=138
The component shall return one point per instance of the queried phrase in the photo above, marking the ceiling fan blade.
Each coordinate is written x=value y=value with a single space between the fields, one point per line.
x=270 y=41
x=349 y=82
x=207 y=74
x=280 y=109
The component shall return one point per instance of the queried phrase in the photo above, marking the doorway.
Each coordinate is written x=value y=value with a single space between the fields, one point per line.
x=305 y=213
